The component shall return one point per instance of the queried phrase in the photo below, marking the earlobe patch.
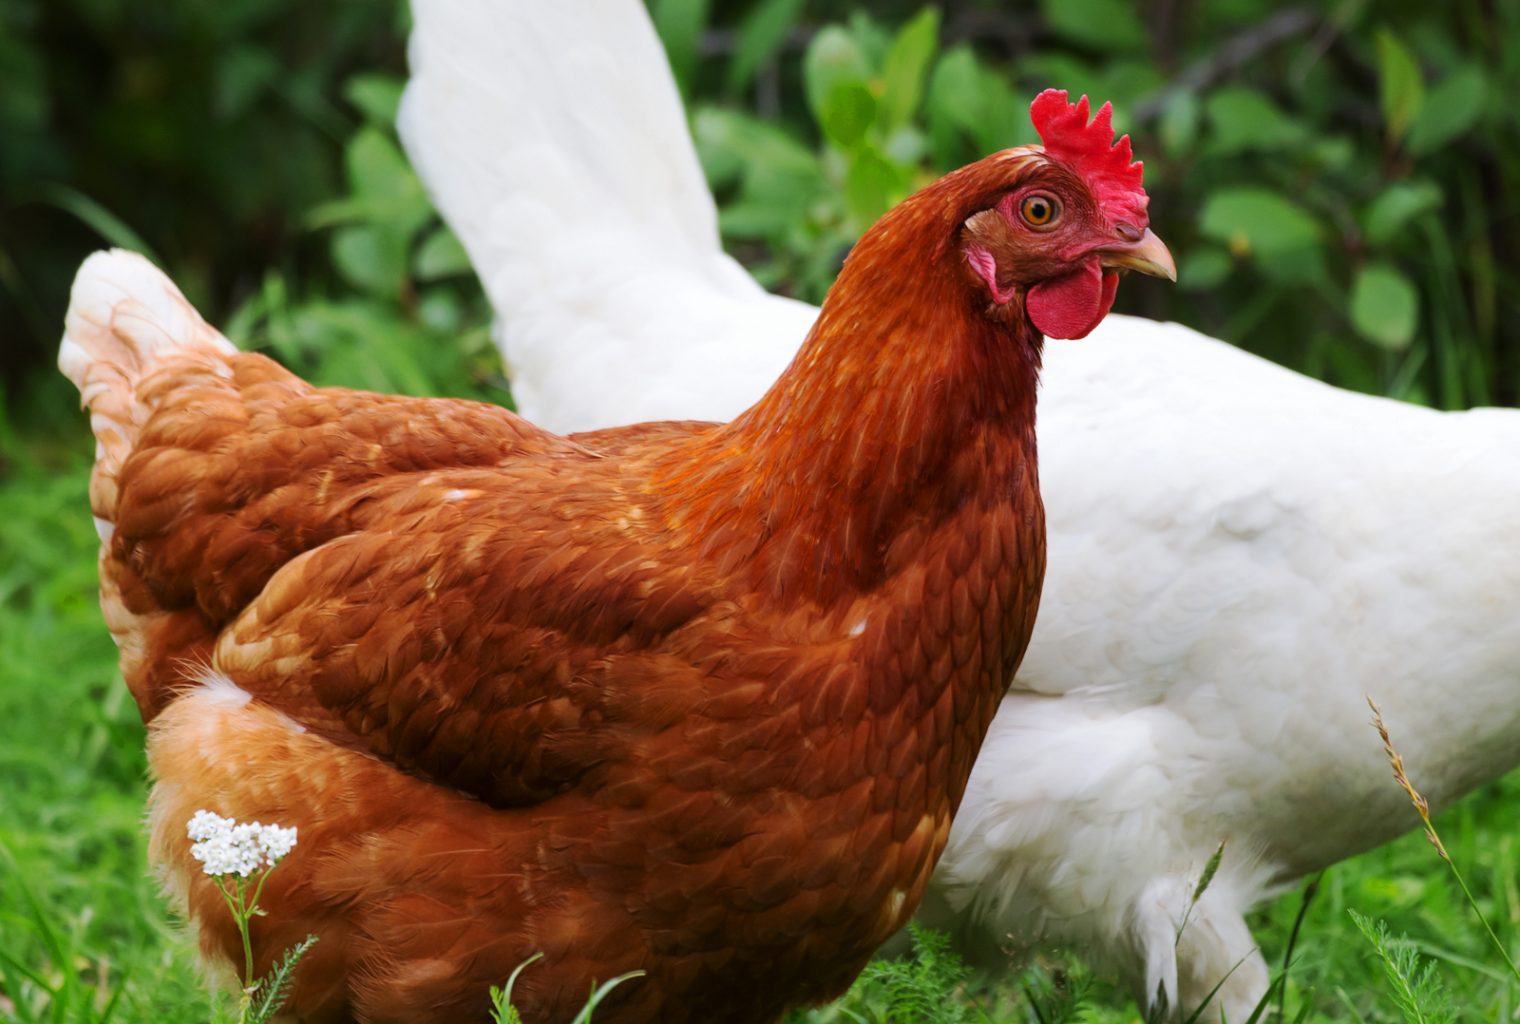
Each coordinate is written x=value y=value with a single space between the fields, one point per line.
x=985 y=264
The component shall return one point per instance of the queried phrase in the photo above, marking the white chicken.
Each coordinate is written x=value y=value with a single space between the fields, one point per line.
x=1237 y=554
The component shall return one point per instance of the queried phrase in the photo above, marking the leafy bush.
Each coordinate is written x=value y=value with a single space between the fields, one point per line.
x=201 y=132
x=1336 y=179
x=1332 y=184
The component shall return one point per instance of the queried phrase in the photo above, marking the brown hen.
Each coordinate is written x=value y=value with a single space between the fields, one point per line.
x=692 y=699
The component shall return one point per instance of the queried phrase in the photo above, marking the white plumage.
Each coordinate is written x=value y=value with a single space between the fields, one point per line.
x=1238 y=554
x=553 y=139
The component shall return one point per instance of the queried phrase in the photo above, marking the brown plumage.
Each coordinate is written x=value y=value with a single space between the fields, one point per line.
x=693 y=699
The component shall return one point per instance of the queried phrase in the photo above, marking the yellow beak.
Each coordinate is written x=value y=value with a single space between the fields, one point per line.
x=1149 y=255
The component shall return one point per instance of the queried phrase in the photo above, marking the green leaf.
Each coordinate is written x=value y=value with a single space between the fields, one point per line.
x=760 y=35
x=680 y=24
x=1004 y=115
x=1401 y=86
x=1348 y=366
x=1395 y=206
x=370 y=258
x=377 y=97
x=907 y=145
x=1204 y=268
x=870 y=36
x=907 y=64
x=363 y=343
x=241 y=76
x=1450 y=109
x=341 y=211
x=778 y=178
x=747 y=218
x=833 y=62
x=1079 y=77
x=1245 y=120
x=1126 y=77
x=268 y=302
x=375 y=166
x=1304 y=267
x=734 y=145
x=1179 y=122
x=1384 y=306
x=441 y=255
x=952 y=92
x=967 y=100
x=1108 y=25
x=872 y=183
x=25 y=98
x=439 y=309
x=274 y=989
x=1257 y=220
x=379 y=174
x=847 y=113
x=1333 y=152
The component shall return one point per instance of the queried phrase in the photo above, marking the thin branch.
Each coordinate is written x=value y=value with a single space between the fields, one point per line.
x=1227 y=58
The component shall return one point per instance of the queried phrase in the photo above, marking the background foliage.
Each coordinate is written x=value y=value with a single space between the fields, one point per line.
x=1339 y=180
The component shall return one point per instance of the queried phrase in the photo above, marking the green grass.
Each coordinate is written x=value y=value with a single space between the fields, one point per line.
x=85 y=937
x=83 y=934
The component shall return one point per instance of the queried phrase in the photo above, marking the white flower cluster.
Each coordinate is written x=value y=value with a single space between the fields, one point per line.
x=226 y=847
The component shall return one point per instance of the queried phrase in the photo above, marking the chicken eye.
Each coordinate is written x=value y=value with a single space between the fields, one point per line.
x=1040 y=210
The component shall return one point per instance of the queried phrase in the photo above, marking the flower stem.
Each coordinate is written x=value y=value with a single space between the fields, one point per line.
x=241 y=916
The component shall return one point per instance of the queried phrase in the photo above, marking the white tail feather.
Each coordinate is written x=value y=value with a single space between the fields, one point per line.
x=567 y=106
x=552 y=138
x=125 y=316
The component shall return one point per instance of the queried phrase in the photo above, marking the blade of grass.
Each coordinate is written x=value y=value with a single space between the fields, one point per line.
x=95 y=217
x=1310 y=891
x=1422 y=808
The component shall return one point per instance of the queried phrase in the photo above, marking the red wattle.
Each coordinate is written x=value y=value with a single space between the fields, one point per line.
x=1071 y=306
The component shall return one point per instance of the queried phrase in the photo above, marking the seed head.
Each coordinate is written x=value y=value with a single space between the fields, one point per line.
x=1421 y=805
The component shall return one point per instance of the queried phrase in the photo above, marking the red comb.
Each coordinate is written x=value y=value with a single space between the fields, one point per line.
x=1090 y=150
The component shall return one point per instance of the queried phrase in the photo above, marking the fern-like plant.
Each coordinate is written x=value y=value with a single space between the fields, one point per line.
x=1417 y=989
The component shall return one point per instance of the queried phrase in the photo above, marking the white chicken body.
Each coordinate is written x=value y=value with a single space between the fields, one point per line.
x=1237 y=554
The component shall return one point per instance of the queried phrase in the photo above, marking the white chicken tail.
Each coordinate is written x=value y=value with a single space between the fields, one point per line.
x=551 y=137
x=567 y=107
x=124 y=318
